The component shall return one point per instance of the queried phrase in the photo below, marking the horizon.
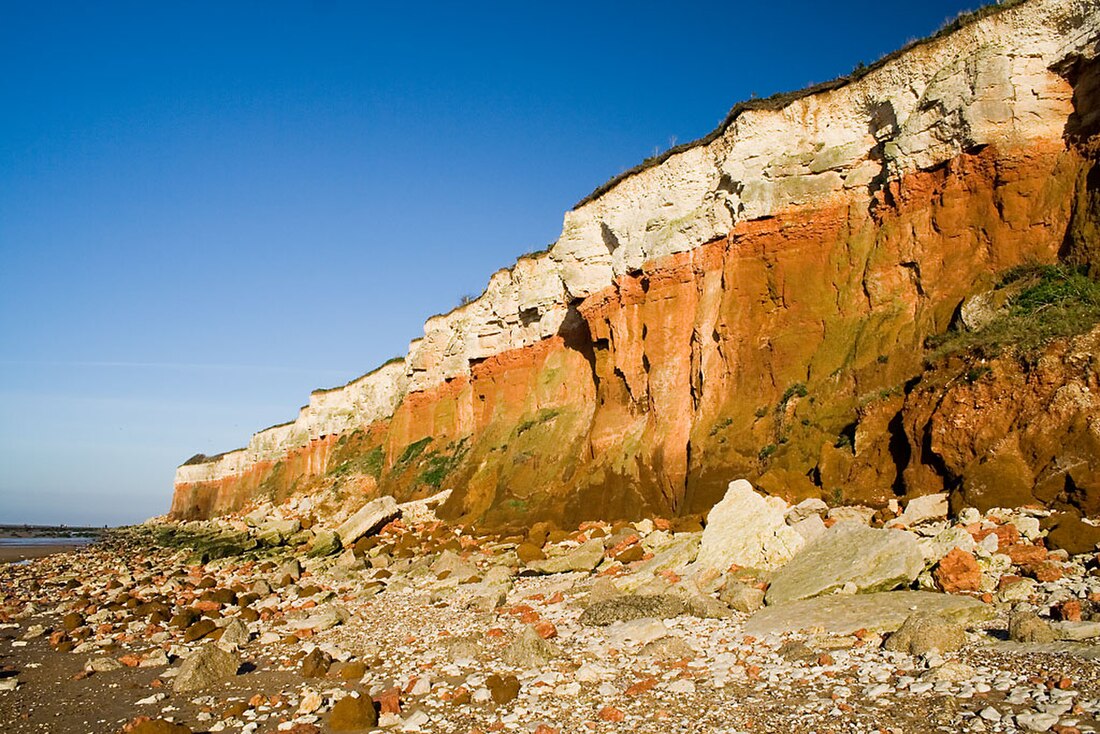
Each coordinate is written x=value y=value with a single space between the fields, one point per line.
x=206 y=221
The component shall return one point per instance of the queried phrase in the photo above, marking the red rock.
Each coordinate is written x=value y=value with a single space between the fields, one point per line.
x=390 y=700
x=545 y=629
x=610 y=713
x=544 y=729
x=641 y=687
x=1069 y=611
x=1047 y=572
x=1024 y=554
x=958 y=571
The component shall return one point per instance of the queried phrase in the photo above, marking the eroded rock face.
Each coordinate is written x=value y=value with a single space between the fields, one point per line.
x=729 y=312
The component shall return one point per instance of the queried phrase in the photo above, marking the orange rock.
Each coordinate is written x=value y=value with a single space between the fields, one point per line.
x=610 y=713
x=637 y=689
x=130 y=661
x=958 y=571
x=1025 y=554
x=1047 y=572
x=545 y=629
x=1069 y=610
x=389 y=701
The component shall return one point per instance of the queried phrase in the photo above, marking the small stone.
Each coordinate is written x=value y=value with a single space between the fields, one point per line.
x=958 y=571
x=1028 y=627
x=157 y=726
x=316 y=664
x=503 y=689
x=527 y=552
x=311 y=701
x=610 y=713
x=198 y=630
x=234 y=635
x=952 y=672
x=741 y=597
x=352 y=714
x=921 y=634
x=1036 y=721
x=102 y=665
x=352 y=671
x=529 y=650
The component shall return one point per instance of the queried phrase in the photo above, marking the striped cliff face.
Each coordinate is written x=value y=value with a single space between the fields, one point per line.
x=731 y=311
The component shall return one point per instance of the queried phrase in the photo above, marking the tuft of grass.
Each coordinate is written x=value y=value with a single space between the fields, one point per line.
x=543 y=416
x=798 y=389
x=1056 y=302
x=721 y=426
x=368 y=463
x=767 y=451
x=413 y=450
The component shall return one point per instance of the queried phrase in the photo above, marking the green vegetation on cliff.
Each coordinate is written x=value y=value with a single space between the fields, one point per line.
x=1042 y=303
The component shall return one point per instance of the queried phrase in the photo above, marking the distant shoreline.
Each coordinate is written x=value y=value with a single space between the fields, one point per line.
x=24 y=542
x=15 y=530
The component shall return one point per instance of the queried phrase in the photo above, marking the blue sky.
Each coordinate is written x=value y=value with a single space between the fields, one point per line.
x=209 y=209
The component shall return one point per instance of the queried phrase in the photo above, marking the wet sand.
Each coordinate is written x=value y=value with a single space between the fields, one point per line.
x=14 y=553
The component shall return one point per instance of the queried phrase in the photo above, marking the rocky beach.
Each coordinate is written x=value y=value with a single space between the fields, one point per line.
x=793 y=428
x=770 y=618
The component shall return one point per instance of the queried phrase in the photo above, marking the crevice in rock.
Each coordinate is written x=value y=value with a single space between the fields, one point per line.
x=900 y=451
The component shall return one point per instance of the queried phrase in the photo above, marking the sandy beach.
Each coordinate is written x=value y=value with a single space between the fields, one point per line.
x=10 y=554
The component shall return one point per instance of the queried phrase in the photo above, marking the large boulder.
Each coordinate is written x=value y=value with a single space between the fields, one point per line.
x=839 y=614
x=923 y=509
x=370 y=517
x=923 y=633
x=629 y=607
x=353 y=714
x=276 y=532
x=529 y=651
x=747 y=529
x=584 y=557
x=325 y=543
x=204 y=668
x=867 y=559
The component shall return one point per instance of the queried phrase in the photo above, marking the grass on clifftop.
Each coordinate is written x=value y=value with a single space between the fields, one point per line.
x=1055 y=301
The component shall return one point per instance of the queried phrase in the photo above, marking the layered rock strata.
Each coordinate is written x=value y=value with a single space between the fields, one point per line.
x=738 y=308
